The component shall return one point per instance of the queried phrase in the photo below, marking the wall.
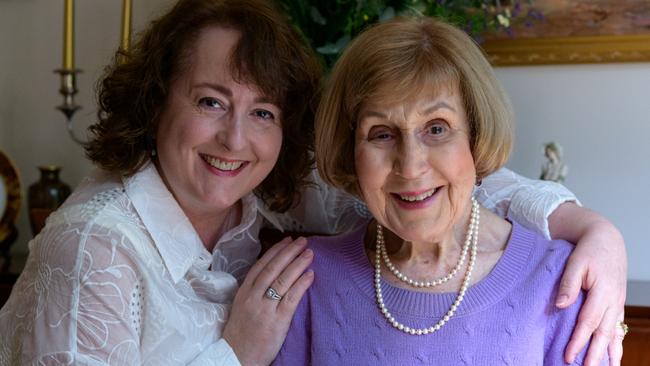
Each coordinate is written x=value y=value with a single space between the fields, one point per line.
x=600 y=114
x=32 y=131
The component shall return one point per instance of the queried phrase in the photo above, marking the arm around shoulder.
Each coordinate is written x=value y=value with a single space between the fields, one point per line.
x=527 y=201
x=598 y=265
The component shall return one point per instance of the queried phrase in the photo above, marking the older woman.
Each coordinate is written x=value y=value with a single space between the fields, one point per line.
x=204 y=136
x=412 y=120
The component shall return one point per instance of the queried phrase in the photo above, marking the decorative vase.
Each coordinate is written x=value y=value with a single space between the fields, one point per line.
x=45 y=196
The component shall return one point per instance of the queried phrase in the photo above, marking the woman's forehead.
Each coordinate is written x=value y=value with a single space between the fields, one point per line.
x=390 y=96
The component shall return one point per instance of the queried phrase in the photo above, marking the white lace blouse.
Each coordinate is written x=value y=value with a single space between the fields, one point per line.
x=120 y=277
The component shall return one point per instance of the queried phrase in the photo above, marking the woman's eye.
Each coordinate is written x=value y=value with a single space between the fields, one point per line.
x=209 y=102
x=264 y=114
x=437 y=129
x=380 y=135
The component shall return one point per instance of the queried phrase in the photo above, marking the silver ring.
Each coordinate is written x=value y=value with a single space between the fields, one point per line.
x=272 y=294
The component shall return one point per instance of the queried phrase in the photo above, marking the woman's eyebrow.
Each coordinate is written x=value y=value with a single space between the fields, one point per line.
x=214 y=86
x=371 y=113
x=226 y=91
x=437 y=105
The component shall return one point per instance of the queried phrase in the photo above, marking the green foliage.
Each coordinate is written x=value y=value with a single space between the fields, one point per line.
x=330 y=24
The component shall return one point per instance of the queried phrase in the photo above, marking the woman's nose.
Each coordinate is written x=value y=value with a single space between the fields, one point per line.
x=411 y=159
x=233 y=134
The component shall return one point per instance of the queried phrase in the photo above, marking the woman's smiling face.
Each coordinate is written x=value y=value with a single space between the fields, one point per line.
x=217 y=139
x=414 y=163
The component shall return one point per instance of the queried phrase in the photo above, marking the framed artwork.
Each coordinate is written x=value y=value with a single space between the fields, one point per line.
x=9 y=197
x=575 y=31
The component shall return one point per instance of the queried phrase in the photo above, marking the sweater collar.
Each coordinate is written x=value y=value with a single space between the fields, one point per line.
x=494 y=287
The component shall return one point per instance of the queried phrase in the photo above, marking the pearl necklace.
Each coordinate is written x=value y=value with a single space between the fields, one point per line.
x=438 y=281
x=472 y=236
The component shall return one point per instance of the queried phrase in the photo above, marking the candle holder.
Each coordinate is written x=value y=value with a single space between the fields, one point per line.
x=68 y=89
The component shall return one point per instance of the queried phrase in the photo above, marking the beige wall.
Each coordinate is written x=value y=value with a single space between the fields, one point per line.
x=599 y=113
x=32 y=131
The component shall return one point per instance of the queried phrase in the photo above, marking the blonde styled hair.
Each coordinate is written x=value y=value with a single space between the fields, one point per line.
x=394 y=61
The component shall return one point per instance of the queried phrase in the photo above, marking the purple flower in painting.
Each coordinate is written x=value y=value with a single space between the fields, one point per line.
x=516 y=9
x=535 y=14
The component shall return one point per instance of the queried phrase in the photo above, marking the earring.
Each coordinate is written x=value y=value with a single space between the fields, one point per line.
x=151 y=146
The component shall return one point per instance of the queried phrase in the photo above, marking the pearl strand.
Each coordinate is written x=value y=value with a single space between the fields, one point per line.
x=473 y=233
x=438 y=281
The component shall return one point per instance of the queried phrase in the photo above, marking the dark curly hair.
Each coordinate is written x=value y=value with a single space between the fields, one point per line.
x=271 y=54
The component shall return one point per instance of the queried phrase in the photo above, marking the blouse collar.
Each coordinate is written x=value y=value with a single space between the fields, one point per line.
x=172 y=232
x=177 y=242
x=268 y=214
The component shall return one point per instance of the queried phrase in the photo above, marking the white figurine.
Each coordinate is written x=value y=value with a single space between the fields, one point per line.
x=553 y=168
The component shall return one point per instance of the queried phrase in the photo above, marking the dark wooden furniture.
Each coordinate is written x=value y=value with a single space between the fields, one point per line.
x=636 y=346
x=6 y=284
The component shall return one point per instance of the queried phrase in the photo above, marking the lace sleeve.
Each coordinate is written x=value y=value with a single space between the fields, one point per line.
x=75 y=302
x=526 y=201
x=323 y=210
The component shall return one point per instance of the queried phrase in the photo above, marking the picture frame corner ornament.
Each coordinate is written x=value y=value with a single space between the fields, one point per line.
x=12 y=183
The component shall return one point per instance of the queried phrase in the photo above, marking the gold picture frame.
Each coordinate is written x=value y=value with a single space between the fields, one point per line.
x=568 y=50
x=574 y=31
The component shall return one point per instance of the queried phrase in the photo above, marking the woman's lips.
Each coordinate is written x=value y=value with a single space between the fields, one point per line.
x=415 y=200
x=224 y=167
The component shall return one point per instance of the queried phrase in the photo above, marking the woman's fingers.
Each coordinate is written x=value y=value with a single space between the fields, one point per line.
x=286 y=279
x=258 y=325
x=589 y=320
x=291 y=299
x=264 y=260
x=601 y=338
x=571 y=282
x=615 y=348
x=276 y=266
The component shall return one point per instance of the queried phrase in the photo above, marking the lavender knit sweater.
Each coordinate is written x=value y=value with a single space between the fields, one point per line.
x=507 y=318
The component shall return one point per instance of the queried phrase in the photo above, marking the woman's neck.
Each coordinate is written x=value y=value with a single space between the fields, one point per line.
x=436 y=258
x=210 y=226
x=424 y=260
x=210 y=223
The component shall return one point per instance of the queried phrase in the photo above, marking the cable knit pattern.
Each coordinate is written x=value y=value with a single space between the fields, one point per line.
x=507 y=318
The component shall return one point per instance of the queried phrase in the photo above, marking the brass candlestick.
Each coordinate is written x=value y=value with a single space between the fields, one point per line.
x=68 y=89
x=69 y=73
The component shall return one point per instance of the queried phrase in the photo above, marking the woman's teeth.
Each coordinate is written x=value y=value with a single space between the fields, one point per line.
x=222 y=165
x=419 y=197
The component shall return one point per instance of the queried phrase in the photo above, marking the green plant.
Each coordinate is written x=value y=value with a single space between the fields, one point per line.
x=330 y=24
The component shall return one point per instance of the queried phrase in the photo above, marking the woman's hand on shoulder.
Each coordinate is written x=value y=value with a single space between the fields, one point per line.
x=258 y=324
x=598 y=265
